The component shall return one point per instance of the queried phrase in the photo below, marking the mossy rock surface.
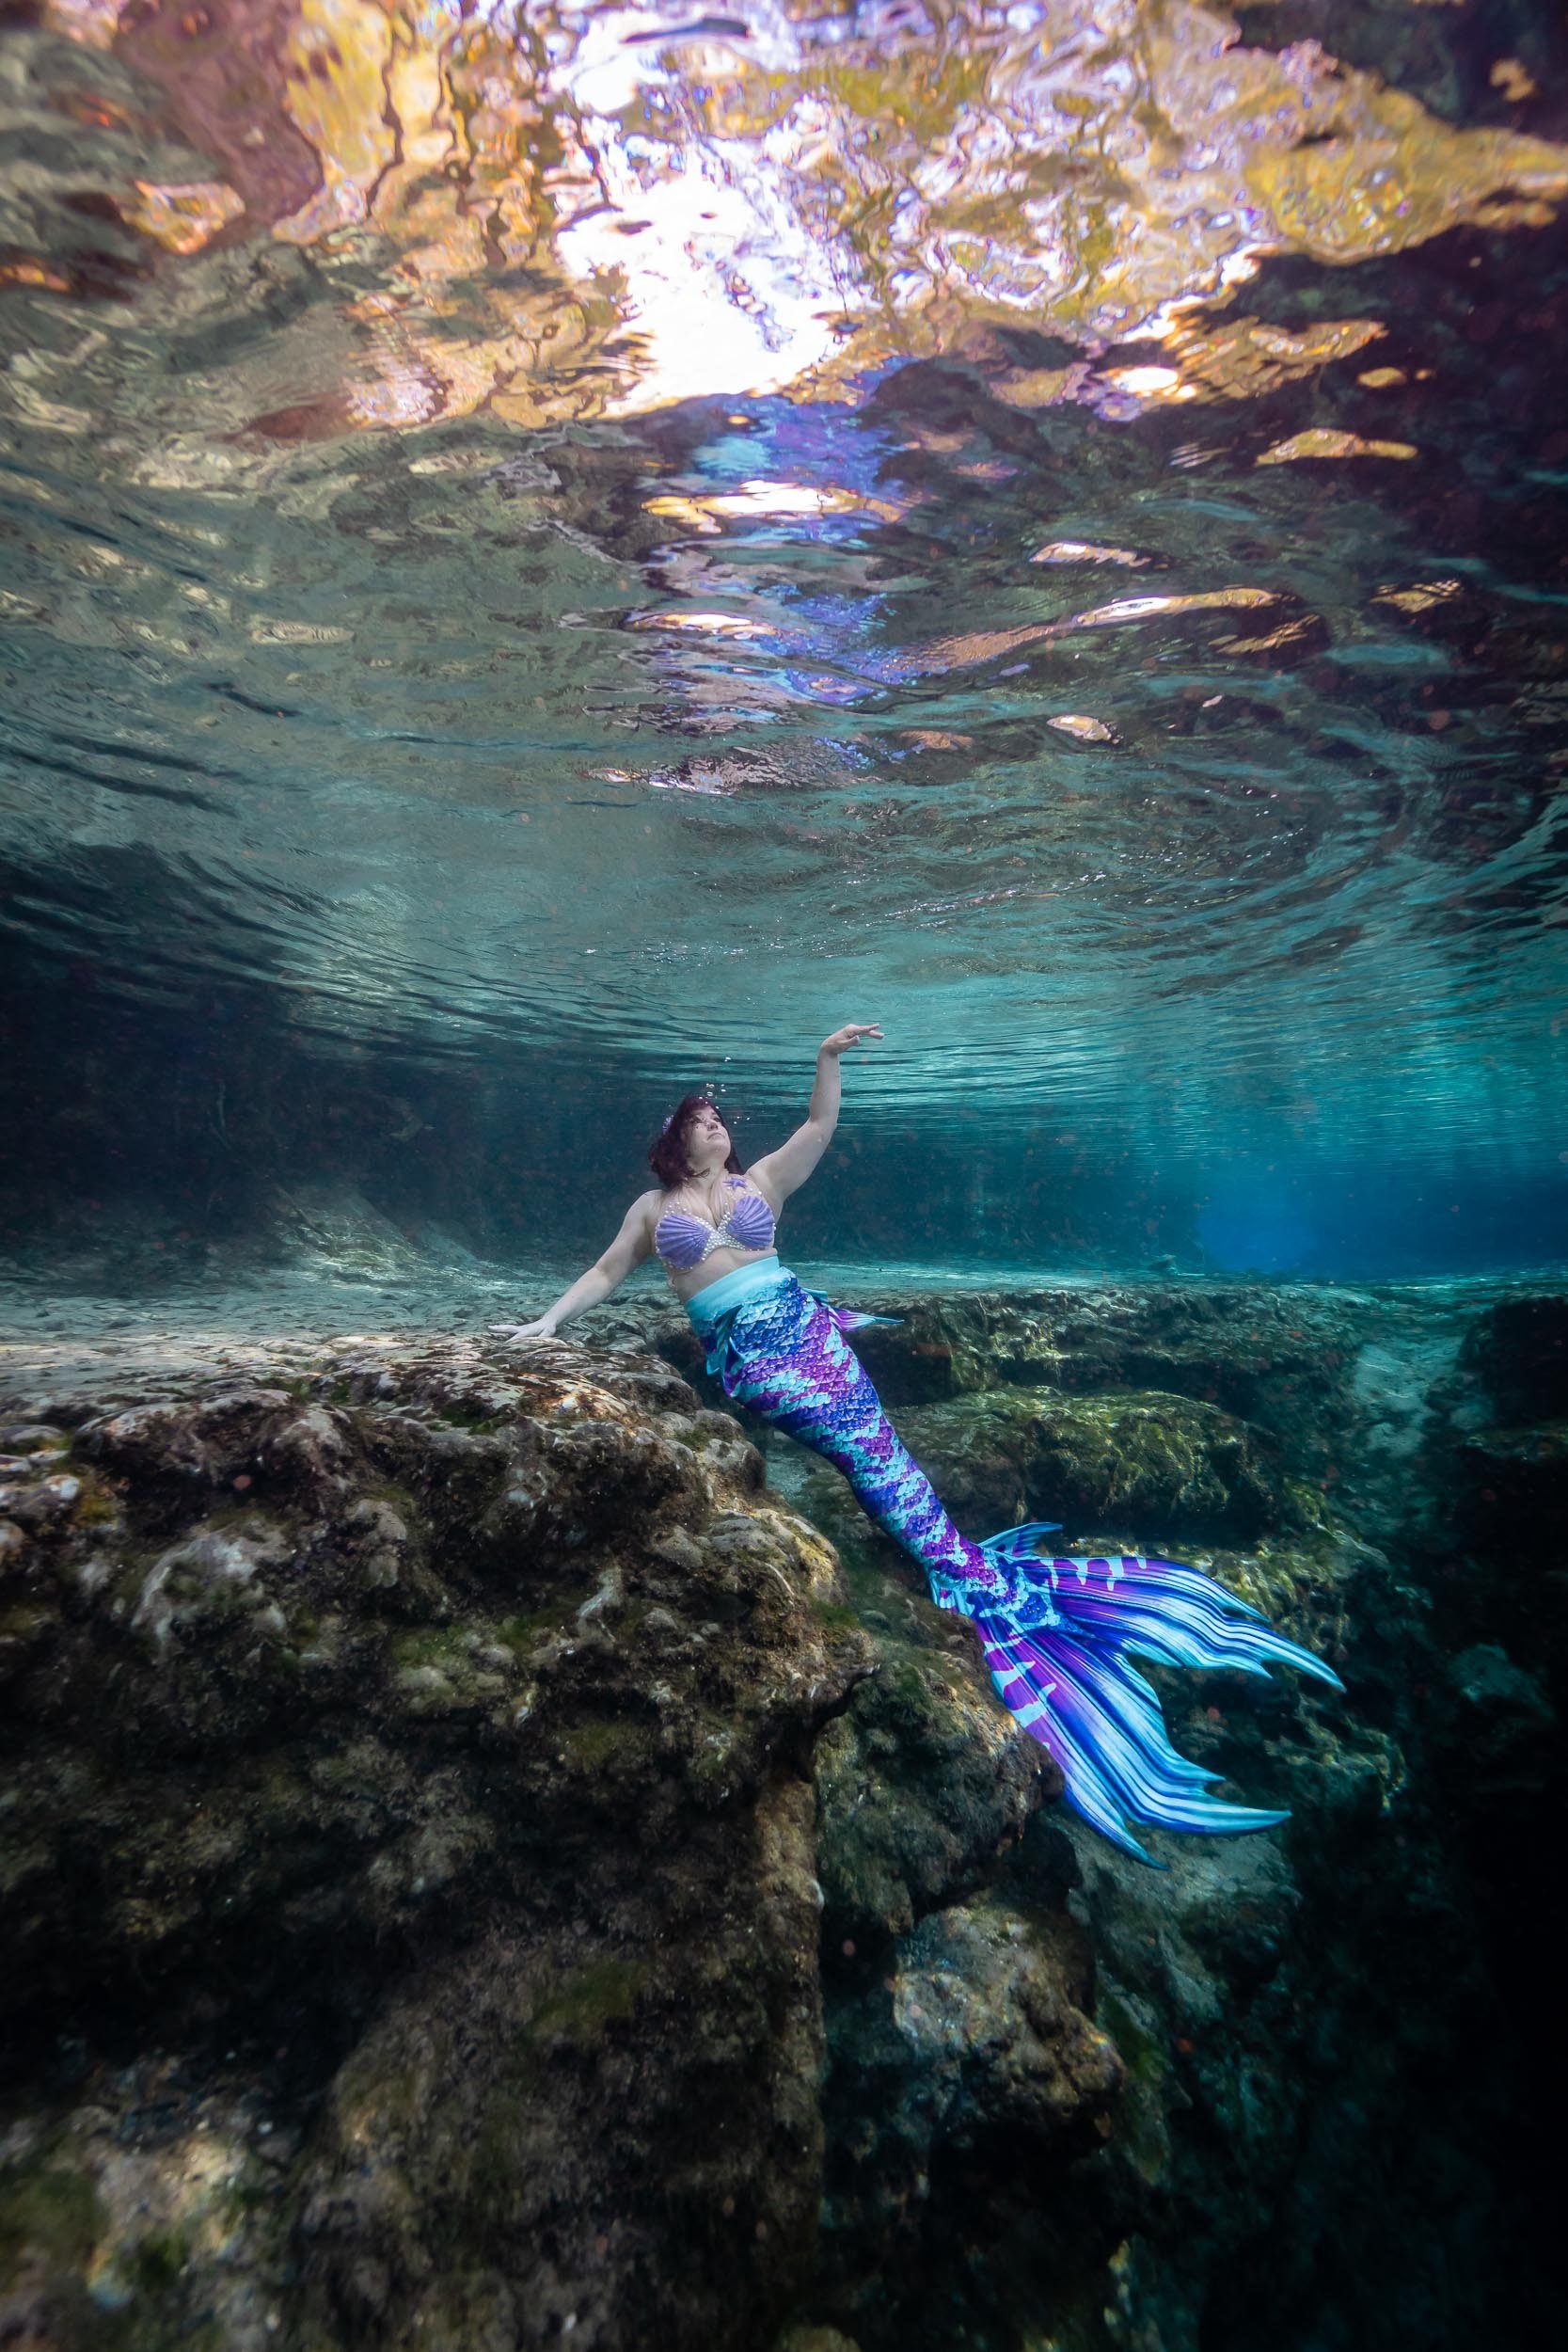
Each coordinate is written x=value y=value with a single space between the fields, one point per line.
x=459 y=1714
x=1149 y=1470
x=482 y=1871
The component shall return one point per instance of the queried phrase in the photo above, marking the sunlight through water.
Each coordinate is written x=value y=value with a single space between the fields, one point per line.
x=1038 y=525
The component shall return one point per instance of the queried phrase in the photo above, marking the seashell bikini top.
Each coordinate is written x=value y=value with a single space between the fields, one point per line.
x=684 y=1240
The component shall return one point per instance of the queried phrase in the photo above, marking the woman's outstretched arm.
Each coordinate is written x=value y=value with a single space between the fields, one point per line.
x=632 y=1244
x=785 y=1170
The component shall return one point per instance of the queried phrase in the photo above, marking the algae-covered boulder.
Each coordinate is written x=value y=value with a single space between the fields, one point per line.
x=1281 y=1359
x=925 y=1780
x=1143 y=1472
x=1160 y=1469
x=480 y=1871
x=444 y=1728
x=1274 y=1358
x=971 y=2050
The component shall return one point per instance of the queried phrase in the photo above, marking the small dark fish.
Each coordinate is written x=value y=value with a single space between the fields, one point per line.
x=731 y=25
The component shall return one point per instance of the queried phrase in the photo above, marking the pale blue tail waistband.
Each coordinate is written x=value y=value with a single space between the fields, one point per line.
x=713 y=1300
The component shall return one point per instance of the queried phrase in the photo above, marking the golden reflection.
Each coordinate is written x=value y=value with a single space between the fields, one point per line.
x=1319 y=441
x=1083 y=730
x=1423 y=596
x=1515 y=80
x=1079 y=551
x=1241 y=359
x=965 y=652
x=544 y=212
x=183 y=219
x=1146 y=608
x=729 y=624
x=1149 y=382
x=764 y=502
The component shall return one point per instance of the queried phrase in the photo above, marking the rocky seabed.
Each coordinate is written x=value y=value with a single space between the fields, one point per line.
x=489 y=1857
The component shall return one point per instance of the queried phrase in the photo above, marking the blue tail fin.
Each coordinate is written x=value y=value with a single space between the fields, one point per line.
x=1066 y=1673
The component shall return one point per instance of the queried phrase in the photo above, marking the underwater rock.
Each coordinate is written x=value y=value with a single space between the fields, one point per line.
x=480 y=1868
x=974 y=2047
x=1266 y=1356
x=496 y=1818
x=1164 y=1465
x=1518 y=1350
x=1514 y=1500
x=925 y=1781
x=1509 y=1724
x=1279 y=1358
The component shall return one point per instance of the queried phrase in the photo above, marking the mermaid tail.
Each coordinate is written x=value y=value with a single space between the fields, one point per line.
x=1060 y=1658
x=1058 y=1633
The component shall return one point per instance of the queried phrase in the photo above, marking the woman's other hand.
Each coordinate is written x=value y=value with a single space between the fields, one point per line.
x=542 y=1329
x=849 y=1035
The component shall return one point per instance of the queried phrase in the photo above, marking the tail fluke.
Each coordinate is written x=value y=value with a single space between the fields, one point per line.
x=1060 y=1656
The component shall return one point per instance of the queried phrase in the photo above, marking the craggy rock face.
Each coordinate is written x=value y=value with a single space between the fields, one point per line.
x=1252 y=1352
x=481 y=1870
x=1145 y=1461
x=1275 y=2004
x=450 y=1730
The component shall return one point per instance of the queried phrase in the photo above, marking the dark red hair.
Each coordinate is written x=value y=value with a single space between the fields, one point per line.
x=667 y=1151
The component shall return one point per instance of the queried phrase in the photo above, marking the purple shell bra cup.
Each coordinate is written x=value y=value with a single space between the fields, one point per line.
x=684 y=1240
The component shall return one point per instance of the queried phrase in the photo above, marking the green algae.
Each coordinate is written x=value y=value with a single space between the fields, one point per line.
x=583 y=2004
x=456 y=1415
x=47 y=2211
x=837 y=1616
x=159 y=2260
x=1140 y=2119
x=449 y=1646
x=596 y=1746
x=20 y=1622
x=1142 y=2054
x=575 y=2013
x=95 y=1506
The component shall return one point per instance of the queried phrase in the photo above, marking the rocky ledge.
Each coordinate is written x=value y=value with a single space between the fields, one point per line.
x=491 y=1857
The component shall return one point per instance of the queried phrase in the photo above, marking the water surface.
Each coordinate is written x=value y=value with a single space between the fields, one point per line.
x=616 y=539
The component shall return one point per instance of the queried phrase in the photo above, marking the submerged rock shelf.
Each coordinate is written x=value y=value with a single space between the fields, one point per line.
x=493 y=1857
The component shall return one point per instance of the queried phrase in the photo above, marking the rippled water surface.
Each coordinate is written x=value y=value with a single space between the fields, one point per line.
x=650 y=532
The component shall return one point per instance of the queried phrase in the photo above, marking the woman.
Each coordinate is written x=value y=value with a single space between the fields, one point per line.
x=1057 y=1632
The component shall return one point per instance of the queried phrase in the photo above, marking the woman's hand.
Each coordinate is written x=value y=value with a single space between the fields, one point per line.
x=541 y=1328
x=849 y=1035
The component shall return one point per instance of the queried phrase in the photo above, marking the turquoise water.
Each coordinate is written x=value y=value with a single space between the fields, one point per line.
x=545 y=564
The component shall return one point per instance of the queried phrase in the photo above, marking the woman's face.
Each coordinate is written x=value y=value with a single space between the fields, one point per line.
x=707 y=1137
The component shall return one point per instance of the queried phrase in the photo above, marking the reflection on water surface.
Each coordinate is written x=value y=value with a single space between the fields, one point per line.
x=1040 y=525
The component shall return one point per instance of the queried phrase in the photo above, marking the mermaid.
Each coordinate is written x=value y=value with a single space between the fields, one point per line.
x=1058 y=1633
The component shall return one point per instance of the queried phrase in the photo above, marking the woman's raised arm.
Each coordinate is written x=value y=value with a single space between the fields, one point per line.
x=632 y=1244
x=785 y=1170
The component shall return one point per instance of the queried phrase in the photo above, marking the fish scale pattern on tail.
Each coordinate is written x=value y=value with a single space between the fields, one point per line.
x=1059 y=1632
